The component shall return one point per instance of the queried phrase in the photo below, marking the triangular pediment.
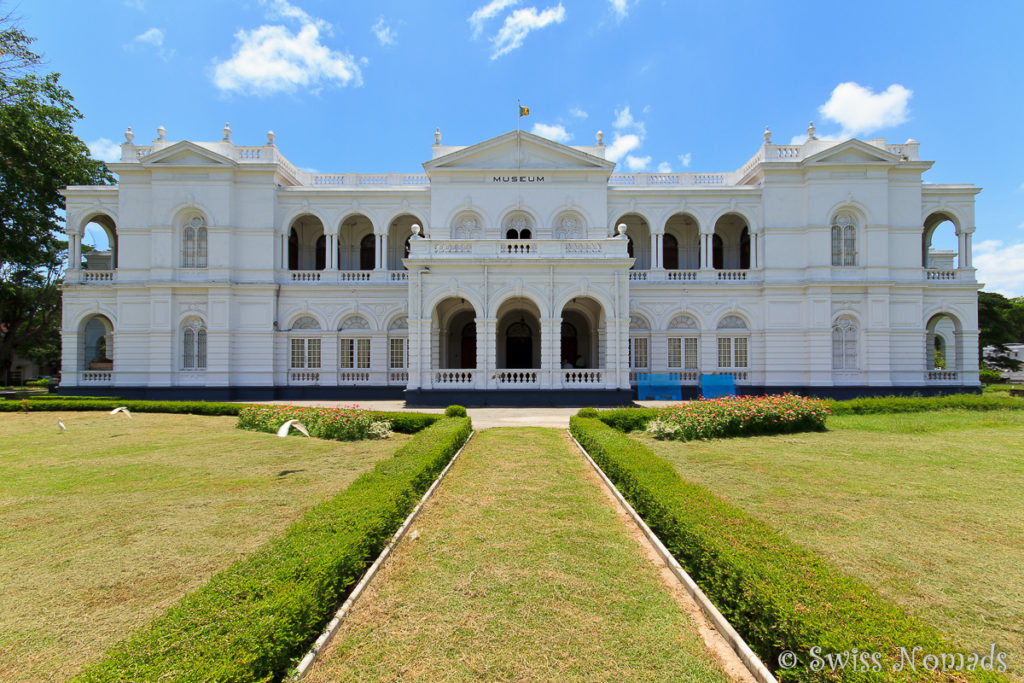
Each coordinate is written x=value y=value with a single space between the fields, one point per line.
x=852 y=152
x=186 y=153
x=520 y=151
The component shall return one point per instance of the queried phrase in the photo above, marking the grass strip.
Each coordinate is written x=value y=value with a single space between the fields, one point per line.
x=778 y=595
x=518 y=569
x=254 y=620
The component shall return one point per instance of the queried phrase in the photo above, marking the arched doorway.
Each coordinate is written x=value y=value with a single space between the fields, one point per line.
x=681 y=243
x=356 y=244
x=307 y=246
x=639 y=236
x=731 y=243
x=518 y=335
x=99 y=243
x=582 y=317
x=454 y=334
x=399 y=233
x=943 y=347
x=97 y=339
x=940 y=242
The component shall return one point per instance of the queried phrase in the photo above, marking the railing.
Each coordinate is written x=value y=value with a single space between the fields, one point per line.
x=933 y=274
x=727 y=275
x=249 y=153
x=479 y=249
x=354 y=275
x=399 y=276
x=575 y=378
x=98 y=275
x=300 y=377
x=344 y=276
x=639 y=275
x=453 y=377
x=96 y=377
x=788 y=152
x=353 y=377
x=305 y=275
x=517 y=248
x=377 y=179
x=678 y=275
x=684 y=179
x=943 y=375
x=518 y=377
x=398 y=377
x=694 y=275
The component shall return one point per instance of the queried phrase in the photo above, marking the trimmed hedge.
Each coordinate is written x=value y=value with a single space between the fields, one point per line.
x=778 y=595
x=69 y=405
x=254 y=620
x=455 y=411
x=342 y=424
x=623 y=419
x=920 y=404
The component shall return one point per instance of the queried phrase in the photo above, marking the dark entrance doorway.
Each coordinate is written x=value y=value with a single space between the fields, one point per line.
x=468 y=348
x=570 y=346
x=519 y=346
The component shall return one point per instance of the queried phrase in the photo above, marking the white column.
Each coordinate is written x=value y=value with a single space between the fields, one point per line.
x=705 y=251
x=284 y=252
x=755 y=261
x=380 y=259
x=655 y=251
x=74 y=251
x=967 y=251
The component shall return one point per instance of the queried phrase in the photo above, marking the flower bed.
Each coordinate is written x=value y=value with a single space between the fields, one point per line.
x=739 y=416
x=340 y=424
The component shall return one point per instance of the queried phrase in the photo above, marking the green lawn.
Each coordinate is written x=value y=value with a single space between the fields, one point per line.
x=521 y=571
x=926 y=507
x=107 y=525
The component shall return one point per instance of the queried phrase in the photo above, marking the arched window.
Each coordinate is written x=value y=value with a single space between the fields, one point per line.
x=305 y=349
x=193 y=345
x=639 y=343
x=398 y=344
x=518 y=226
x=733 y=344
x=844 y=241
x=354 y=343
x=844 y=344
x=193 y=243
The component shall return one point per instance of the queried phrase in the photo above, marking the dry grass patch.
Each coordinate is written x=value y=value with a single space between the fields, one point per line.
x=521 y=571
x=109 y=524
x=927 y=507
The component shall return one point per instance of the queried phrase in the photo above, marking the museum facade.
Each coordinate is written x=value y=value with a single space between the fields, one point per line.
x=517 y=270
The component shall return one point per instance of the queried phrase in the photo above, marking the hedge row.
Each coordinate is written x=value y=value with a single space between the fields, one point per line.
x=70 y=405
x=254 y=620
x=739 y=416
x=778 y=595
x=920 y=404
x=343 y=424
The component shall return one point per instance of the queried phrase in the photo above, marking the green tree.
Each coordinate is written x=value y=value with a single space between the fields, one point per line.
x=39 y=155
x=1000 y=322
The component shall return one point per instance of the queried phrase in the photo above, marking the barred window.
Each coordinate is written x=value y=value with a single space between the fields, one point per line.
x=682 y=353
x=345 y=354
x=354 y=353
x=725 y=352
x=193 y=342
x=638 y=352
x=844 y=345
x=305 y=353
x=675 y=352
x=844 y=241
x=298 y=354
x=396 y=360
x=194 y=244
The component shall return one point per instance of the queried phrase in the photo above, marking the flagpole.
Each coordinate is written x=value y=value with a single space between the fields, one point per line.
x=519 y=116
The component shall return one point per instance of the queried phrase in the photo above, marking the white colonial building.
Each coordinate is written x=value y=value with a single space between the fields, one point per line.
x=518 y=269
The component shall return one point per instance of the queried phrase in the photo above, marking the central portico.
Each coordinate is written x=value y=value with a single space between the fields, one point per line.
x=528 y=291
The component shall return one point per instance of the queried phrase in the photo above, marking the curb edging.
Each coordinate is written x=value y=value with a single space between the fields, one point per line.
x=749 y=658
x=335 y=624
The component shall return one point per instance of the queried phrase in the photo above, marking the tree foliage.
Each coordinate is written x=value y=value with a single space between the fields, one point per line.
x=39 y=155
x=1000 y=322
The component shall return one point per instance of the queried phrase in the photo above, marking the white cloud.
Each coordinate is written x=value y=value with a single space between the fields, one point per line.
x=860 y=111
x=272 y=59
x=664 y=167
x=578 y=113
x=624 y=121
x=685 y=159
x=482 y=14
x=620 y=7
x=104 y=149
x=621 y=146
x=637 y=163
x=385 y=34
x=153 y=38
x=556 y=132
x=1000 y=266
x=520 y=24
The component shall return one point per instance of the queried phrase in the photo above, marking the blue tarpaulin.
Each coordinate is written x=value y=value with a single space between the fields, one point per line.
x=713 y=386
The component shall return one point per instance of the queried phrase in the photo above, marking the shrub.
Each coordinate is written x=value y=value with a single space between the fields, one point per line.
x=255 y=619
x=778 y=595
x=43 y=382
x=455 y=411
x=77 y=404
x=739 y=416
x=918 y=404
x=340 y=424
x=627 y=419
x=989 y=376
x=587 y=412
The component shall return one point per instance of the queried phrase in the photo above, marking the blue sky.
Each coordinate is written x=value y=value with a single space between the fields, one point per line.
x=674 y=85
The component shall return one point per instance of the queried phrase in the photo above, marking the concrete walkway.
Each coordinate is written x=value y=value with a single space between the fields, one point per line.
x=483 y=418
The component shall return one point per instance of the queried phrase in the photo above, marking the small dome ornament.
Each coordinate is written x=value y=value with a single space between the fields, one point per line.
x=600 y=138
x=129 y=135
x=437 y=136
x=767 y=134
x=811 y=130
x=270 y=137
x=227 y=132
x=416 y=229
x=161 y=134
x=620 y=229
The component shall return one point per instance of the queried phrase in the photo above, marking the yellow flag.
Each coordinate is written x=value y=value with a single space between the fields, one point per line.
x=524 y=111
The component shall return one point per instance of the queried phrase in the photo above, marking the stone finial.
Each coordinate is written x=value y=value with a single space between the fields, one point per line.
x=129 y=135
x=437 y=136
x=620 y=229
x=161 y=134
x=811 y=130
x=416 y=229
x=600 y=138
x=227 y=132
x=767 y=134
x=270 y=137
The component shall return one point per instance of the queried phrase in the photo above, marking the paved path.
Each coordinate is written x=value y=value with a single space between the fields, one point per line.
x=483 y=418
